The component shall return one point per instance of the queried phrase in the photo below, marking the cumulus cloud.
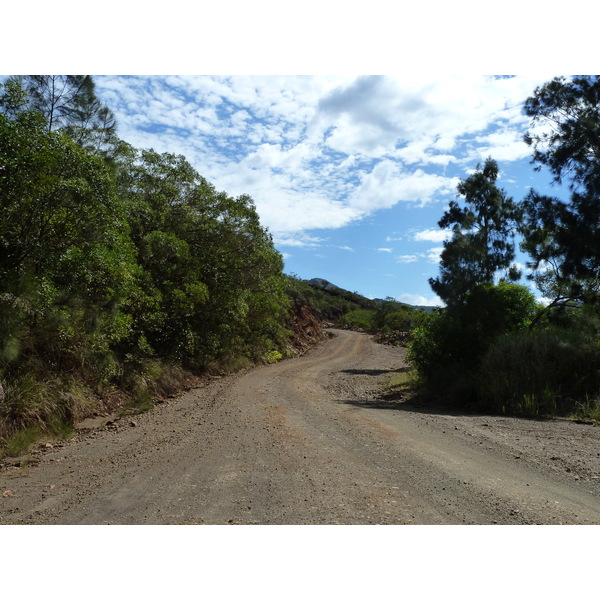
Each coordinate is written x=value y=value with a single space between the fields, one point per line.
x=408 y=258
x=418 y=300
x=323 y=152
x=388 y=183
x=432 y=235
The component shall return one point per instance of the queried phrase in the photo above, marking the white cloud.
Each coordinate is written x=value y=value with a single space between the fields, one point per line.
x=323 y=152
x=506 y=145
x=432 y=235
x=418 y=300
x=274 y=156
x=299 y=240
x=419 y=152
x=388 y=183
x=408 y=258
x=433 y=254
x=420 y=116
x=384 y=249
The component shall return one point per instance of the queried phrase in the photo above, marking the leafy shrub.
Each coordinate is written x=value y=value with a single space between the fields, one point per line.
x=542 y=372
x=361 y=318
x=272 y=357
x=447 y=346
x=401 y=320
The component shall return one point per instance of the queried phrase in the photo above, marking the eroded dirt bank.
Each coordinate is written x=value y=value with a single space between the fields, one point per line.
x=311 y=441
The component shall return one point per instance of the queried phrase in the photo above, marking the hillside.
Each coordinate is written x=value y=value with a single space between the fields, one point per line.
x=352 y=310
x=335 y=290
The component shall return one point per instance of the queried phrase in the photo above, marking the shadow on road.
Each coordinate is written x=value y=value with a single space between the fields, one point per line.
x=375 y=372
x=404 y=397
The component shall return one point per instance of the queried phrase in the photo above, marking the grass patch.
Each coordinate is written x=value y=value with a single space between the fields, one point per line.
x=399 y=386
x=548 y=373
x=399 y=380
x=588 y=409
x=19 y=442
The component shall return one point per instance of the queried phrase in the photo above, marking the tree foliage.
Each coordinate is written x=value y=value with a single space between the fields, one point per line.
x=492 y=345
x=69 y=103
x=563 y=238
x=482 y=236
x=448 y=346
x=66 y=260
x=110 y=270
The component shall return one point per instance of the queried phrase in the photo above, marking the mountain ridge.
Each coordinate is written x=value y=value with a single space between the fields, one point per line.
x=327 y=286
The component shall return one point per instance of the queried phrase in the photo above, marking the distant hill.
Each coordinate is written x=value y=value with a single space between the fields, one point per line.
x=357 y=298
x=324 y=284
x=334 y=290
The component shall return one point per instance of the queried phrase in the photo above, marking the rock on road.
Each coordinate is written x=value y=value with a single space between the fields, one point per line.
x=311 y=440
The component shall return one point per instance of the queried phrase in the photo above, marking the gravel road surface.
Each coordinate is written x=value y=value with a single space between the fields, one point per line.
x=311 y=440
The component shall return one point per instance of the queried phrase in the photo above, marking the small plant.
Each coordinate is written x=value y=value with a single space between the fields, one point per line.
x=530 y=406
x=272 y=357
x=18 y=443
x=399 y=380
x=588 y=409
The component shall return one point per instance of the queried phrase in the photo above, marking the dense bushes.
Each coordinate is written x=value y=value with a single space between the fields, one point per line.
x=448 y=346
x=484 y=354
x=540 y=372
x=359 y=318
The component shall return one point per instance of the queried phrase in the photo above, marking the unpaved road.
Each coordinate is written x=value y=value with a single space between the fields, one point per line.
x=312 y=440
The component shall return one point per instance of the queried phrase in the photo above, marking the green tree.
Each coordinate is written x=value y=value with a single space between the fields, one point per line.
x=448 y=345
x=482 y=236
x=66 y=261
x=212 y=281
x=70 y=103
x=563 y=238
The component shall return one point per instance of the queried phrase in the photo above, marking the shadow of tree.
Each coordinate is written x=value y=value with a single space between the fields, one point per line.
x=404 y=397
x=375 y=372
x=409 y=400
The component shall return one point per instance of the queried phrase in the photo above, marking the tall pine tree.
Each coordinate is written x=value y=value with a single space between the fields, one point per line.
x=564 y=237
x=70 y=103
x=482 y=236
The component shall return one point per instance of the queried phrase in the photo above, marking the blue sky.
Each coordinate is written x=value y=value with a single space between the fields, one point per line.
x=349 y=173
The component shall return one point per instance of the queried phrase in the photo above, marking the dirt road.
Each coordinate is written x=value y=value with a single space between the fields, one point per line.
x=312 y=440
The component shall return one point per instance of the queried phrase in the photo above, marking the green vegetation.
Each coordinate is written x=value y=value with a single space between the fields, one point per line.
x=352 y=310
x=482 y=236
x=492 y=347
x=119 y=268
x=122 y=270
